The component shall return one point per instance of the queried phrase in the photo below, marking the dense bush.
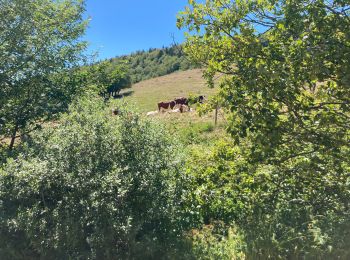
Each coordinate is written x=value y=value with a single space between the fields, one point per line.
x=216 y=241
x=95 y=186
x=294 y=211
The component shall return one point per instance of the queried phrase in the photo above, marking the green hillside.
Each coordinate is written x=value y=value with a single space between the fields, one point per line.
x=146 y=94
x=153 y=63
x=191 y=128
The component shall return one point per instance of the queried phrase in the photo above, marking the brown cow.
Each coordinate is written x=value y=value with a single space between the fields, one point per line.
x=166 y=105
x=181 y=101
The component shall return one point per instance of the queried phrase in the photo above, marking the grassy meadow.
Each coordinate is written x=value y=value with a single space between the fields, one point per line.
x=191 y=128
x=146 y=94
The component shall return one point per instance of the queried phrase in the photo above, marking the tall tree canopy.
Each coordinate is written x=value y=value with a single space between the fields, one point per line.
x=286 y=86
x=287 y=69
x=39 y=42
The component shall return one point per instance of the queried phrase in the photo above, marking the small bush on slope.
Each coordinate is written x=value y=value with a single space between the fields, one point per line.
x=96 y=186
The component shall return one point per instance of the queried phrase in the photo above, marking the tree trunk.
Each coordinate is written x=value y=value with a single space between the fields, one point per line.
x=13 y=137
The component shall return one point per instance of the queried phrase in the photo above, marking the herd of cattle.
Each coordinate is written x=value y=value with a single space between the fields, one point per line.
x=178 y=105
x=181 y=101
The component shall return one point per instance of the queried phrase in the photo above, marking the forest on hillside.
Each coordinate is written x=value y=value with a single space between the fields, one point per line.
x=85 y=176
x=153 y=63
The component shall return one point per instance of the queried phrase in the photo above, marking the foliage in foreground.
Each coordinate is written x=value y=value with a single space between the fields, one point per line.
x=95 y=186
x=216 y=241
x=284 y=179
x=288 y=211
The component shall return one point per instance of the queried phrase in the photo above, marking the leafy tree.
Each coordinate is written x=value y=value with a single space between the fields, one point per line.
x=286 y=85
x=96 y=186
x=289 y=83
x=39 y=43
x=107 y=79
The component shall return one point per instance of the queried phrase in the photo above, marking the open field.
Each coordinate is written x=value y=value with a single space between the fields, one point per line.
x=146 y=94
x=191 y=128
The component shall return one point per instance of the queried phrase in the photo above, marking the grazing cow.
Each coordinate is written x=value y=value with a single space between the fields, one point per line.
x=181 y=101
x=201 y=99
x=166 y=105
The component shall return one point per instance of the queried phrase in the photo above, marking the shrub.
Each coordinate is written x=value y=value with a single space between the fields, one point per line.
x=294 y=211
x=95 y=186
x=217 y=241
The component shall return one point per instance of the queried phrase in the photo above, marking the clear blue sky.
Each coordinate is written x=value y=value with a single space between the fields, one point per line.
x=124 y=26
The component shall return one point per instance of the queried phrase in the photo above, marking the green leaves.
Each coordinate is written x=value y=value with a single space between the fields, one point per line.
x=277 y=59
x=39 y=40
x=92 y=186
x=285 y=85
x=106 y=78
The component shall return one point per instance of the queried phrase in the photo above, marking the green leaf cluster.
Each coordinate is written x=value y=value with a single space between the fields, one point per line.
x=105 y=78
x=293 y=210
x=95 y=186
x=285 y=85
x=40 y=42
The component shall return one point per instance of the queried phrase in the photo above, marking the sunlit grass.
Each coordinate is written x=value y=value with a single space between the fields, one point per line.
x=189 y=127
x=146 y=94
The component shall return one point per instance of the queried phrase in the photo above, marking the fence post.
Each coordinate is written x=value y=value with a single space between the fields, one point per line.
x=216 y=114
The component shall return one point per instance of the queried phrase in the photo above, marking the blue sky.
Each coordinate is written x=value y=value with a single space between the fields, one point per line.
x=123 y=26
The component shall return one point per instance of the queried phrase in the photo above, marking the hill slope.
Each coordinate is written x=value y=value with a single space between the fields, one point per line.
x=148 y=93
x=154 y=62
